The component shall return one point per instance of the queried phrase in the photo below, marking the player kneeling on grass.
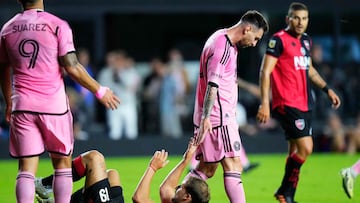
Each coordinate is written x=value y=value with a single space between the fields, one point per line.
x=101 y=185
x=193 y=190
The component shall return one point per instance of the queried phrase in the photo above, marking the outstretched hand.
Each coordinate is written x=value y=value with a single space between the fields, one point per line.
x=159 y=160
x=110 y=100
x=205 y=127
x=191 y=149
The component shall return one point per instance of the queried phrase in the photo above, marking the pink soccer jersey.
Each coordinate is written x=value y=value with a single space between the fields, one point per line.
x=218 y=66
x=31 y=43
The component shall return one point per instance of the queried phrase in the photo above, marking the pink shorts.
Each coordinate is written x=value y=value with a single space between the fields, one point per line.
x=31 y=134
x=222 y=142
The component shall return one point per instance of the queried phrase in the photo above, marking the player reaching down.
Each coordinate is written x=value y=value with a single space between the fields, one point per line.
x=35 y=46
x=216 y=130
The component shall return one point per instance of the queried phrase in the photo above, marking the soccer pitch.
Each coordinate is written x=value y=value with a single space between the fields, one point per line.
x=320 y=181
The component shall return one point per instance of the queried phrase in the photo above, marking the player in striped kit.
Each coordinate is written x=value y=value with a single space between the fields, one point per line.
x=216 y=130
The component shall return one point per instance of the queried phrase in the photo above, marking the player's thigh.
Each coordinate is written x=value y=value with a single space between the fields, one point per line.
x=25 y=137
x=57 y=131
x=95 y=167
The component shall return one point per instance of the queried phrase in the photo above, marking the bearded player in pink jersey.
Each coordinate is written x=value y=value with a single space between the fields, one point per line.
x=35 y=47
x=216 y=130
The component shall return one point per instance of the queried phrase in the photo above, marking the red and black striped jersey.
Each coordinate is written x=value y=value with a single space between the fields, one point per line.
x=290 y=84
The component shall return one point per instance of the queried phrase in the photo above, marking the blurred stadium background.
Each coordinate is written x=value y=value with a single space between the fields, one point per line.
x=149 y=28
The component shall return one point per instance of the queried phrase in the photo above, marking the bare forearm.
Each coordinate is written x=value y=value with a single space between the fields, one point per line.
x=209 y=100
x=264 y=86
x=172 y=180
x=142 y=191
x=78 y=73
x=315 y=78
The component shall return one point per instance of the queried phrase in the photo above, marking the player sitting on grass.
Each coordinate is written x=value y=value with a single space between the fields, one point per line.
x=101 y=185
x=193 y=190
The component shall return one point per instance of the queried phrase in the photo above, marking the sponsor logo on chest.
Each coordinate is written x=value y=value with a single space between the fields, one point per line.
x=301 y=62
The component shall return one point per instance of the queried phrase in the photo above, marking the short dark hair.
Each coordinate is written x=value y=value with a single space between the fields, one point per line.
x=297 y=6
x=255 y=18
x=25 y=3
x=198 y=189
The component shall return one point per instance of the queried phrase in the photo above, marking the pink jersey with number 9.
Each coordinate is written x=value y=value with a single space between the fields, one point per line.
x=31 y=43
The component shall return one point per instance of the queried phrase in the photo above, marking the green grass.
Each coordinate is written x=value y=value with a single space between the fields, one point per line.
x=320 y=181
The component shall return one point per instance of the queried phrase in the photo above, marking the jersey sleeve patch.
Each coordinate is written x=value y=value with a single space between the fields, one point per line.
x=274 y=46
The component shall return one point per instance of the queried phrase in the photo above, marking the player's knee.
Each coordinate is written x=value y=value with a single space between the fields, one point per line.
x=210 y=174
x=114 y=177
x=207 y=169
x=305 y=152
x=308 y=151
x=95 y=156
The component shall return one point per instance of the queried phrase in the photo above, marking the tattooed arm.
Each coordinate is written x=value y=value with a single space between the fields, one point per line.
x=210 y=95
x=205 y=124
x=78 y=73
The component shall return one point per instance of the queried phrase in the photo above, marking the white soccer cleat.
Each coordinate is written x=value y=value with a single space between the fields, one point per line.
x=41 y=200
x=347 y=182
x=42 y=191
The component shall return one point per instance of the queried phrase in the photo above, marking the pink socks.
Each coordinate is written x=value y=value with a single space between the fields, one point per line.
x=62 y=185
x=25 y=187
x=234 y=187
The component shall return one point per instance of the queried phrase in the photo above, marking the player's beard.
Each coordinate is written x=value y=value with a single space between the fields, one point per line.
x=244 y=43
x=241 y=45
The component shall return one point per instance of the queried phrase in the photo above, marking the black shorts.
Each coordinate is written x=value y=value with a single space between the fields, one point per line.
x=295 y=123
x=102 y=192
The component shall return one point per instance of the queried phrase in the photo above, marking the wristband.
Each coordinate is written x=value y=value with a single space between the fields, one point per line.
x=325 y=89
x=101 y=92
x=150 y=166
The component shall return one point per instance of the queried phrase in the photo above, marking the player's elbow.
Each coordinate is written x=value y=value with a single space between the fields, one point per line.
x=165 y=193
x=139 y=198
x=135 y=198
